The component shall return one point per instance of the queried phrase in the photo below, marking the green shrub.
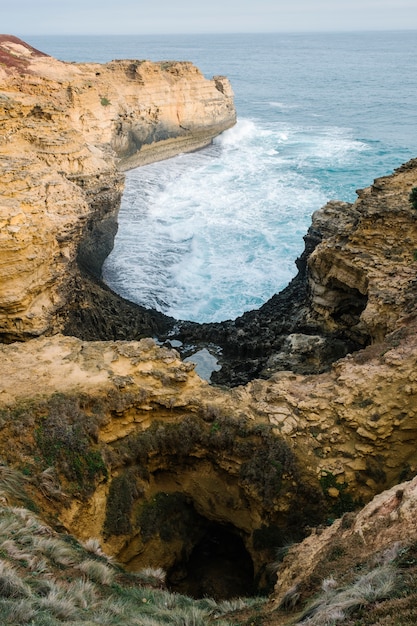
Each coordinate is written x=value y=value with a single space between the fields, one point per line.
x=413 y=198
x=123 y=492
x=267 y=465
x=344 y=501
x=65 y=438
x=170 y=515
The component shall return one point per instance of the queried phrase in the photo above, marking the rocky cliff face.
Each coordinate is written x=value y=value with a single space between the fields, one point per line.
x=363 y=563
x=126 y=443
x=67 y=131
x=122 y=440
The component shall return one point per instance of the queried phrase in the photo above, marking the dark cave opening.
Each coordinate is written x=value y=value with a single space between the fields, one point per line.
x=219 y=567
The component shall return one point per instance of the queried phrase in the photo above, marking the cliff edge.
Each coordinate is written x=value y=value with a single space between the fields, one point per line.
x=121 y=440
x=67 y=131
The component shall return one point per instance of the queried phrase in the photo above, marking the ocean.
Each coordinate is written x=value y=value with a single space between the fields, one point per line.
x=209 y=235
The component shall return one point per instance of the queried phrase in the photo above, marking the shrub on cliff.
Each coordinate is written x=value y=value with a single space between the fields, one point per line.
x=66 y=438
x=413 y=197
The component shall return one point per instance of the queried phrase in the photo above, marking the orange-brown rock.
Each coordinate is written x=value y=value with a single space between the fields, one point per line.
x=338 y=437
x=127 y=426
x=120 y=436
x=66 y=132
x=362 y=274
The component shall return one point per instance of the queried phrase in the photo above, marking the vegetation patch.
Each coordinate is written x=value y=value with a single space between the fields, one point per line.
x=123 y=492
x=267 y=459
x=169 y=515
x=49 y=579
x=266 y=467
x=339 y=500
x=65 y=439
x=413 y=198
x=37 y=590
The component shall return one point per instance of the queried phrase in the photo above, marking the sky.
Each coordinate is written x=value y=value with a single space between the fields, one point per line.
x=157 y=17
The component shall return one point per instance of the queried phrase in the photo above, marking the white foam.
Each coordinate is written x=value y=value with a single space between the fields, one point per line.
x=208 y=235
x=283 y=105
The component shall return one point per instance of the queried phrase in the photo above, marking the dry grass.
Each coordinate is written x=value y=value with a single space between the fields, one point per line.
x=335 y=605
x=51 y=580
x=93 y=546
x=97 y=572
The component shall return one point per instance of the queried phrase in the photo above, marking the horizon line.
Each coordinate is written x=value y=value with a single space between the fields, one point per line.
x=210 y=33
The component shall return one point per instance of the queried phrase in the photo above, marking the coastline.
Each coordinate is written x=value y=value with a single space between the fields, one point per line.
x=314 y=411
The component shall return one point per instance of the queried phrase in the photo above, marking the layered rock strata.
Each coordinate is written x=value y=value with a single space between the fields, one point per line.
x=120 y=438
x=67 y=131
x=126 y=443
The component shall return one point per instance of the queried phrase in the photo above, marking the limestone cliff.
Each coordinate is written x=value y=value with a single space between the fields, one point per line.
x=122 y=440
x=133 y=435
x=134 y=439
x=66 y=132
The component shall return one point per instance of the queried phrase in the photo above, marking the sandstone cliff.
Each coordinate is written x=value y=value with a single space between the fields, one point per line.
x=122 y=440
x=66 y=133
x=152 y=442
x=266 y=460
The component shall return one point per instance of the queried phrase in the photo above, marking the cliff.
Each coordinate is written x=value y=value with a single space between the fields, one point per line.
x=121 y=440
x=67 y=132
x=266 y=461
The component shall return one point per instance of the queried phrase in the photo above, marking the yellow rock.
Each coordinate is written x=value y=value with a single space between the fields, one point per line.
x=67 y=132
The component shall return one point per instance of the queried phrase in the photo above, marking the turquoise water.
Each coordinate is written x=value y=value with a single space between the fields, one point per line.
x=209 y=235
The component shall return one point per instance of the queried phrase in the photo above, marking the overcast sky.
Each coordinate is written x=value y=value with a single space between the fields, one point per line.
x=136 y=17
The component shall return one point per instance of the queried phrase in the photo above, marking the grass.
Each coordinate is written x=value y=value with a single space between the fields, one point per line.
x=382 y=590
x=64 y=441
x=50 y=579
x=66 y=458
x=334 y=605
x=97 y=572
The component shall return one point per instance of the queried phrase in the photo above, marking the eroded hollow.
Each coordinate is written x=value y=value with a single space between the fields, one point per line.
x=219 y=567
x=208 y=500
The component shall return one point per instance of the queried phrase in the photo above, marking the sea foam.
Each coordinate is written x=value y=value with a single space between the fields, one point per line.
x=209 y=235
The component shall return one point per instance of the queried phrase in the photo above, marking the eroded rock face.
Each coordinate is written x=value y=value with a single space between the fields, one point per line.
x=122 y=440
x=361 y=276
x=373 y=537
x=126 y=443
x=67 y=131
x=154 y=461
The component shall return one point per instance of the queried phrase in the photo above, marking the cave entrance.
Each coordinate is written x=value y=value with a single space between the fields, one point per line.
x=219 y=567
